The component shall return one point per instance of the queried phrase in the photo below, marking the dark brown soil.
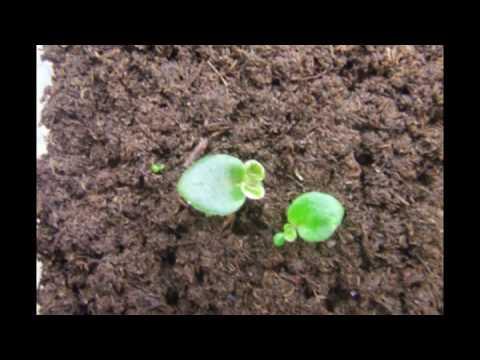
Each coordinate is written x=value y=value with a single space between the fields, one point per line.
x=364 y=123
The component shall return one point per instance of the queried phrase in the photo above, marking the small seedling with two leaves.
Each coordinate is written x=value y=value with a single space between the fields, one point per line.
x=219 y=184
x=157 y=168
x=314 y=216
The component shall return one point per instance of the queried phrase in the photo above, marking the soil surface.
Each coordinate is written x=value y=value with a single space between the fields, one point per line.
x=363 y=123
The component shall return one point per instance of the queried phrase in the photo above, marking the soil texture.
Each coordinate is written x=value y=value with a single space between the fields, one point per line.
x=363 y=123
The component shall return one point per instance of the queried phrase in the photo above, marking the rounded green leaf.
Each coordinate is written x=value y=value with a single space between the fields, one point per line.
x=254 y=170
x=279 y=240
x=289 y=232
x=252 y=190
x=316 y=216
x=212 y=184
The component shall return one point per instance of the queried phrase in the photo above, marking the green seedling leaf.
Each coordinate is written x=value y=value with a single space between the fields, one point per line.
x=212 y=184
x=157 y=168
x=279 y=240
x=254 y=170
x=315 y=215
x=218 y=185
x=289 y=232
x=252 y=190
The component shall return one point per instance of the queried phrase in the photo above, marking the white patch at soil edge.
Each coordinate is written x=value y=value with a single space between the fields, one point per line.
x=44 y=79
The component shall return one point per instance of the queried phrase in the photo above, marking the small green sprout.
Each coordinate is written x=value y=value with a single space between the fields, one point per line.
x=279 y=240
x=289 y=232
x=314 y=216
x=219 y=184
x=157 y=168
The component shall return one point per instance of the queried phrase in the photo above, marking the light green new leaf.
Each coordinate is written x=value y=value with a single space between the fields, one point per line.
x=254 y=170
x=289 y=232
x=252 y=189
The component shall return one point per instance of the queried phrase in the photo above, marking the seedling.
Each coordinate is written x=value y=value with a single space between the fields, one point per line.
x=157 y=168
x=219 y=184
x=314 y=216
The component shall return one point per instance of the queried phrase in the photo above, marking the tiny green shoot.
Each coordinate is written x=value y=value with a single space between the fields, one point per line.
x=289 y=232
x=219 y=184
x=314 y=216
x=279 y=240
x=157 y=168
